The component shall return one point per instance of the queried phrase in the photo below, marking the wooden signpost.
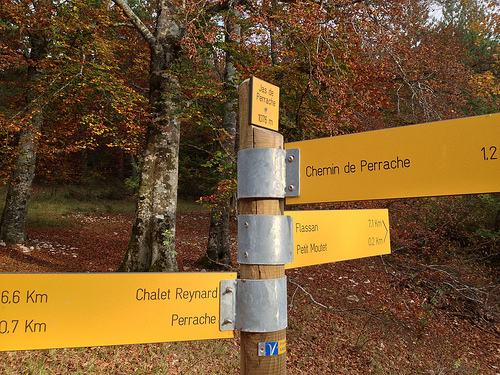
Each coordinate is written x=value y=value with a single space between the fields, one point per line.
x=252 y=136
x=445 y=158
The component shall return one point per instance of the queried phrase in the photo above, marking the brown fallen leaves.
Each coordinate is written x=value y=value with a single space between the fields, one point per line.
x=366 y=316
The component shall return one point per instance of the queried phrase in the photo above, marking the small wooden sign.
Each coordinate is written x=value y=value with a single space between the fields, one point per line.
x=264 y=104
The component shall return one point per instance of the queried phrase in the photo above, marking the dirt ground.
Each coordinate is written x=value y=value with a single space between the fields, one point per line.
x=362 y=316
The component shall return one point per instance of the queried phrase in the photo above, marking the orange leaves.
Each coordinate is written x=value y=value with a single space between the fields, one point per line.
x=485 y=85
x=90 y=80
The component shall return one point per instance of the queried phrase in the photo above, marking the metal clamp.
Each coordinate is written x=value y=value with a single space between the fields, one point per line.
x=227 y=304
x=261 y=173
x=261 y=305
x=265 y=239
x=268 y=173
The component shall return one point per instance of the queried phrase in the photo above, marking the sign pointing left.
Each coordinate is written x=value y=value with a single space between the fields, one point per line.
x=43 y=311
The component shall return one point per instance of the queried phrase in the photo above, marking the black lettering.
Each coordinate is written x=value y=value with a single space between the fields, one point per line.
x=138 y=293
x=191 y=295
x=32 y=327
x=302 y=249
x=33 y=297
x=193 y=320
x=311 y=171
x=363 y=164
x=383 y=165
x=175 y=318
x=30 y=296
x=306 y=227
x=349 y=168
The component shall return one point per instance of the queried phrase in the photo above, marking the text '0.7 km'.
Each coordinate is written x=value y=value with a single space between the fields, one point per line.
x=72 y=310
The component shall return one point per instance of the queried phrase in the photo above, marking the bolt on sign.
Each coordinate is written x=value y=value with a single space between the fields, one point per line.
x=332 y=236
x=42 y=311
x=264 y=104
x=451 y=157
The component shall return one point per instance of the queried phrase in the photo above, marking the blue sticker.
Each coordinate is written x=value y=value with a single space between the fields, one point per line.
x=272 y=348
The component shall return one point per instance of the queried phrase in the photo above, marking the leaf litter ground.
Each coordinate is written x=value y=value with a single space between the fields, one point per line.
x=356 y=317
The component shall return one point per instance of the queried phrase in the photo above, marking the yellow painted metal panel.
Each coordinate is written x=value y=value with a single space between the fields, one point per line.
x=331 y=236
x=264 y=104
x=451 y=157
x=39 y=311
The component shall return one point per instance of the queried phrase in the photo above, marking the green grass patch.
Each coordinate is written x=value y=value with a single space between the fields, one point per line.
x=190 y=206
x=50 y=206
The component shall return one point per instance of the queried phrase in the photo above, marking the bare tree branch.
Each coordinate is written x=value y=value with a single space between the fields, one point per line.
x=140 y=26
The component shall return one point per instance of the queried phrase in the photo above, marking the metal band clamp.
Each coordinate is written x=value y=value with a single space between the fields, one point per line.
x=265 y=239
x=261 y=173
x=253 y=305
x=261 y=305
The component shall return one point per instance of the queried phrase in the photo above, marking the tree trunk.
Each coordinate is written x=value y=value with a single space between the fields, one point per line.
x=152 y=243
x=13 y=222
x=218 y=250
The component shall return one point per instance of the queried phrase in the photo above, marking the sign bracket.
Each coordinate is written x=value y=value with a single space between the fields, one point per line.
x=227 y=305
x=292 y=172
x=253 y=305
x=261 y=173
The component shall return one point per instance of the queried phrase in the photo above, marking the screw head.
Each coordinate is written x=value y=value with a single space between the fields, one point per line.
x=246 y=225
x=291 y=188
x=228 y=321
x=245 y=254
x=229 y=290
x=290 y=158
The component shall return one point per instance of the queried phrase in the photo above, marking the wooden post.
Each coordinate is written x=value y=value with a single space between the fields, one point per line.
x=256 y=137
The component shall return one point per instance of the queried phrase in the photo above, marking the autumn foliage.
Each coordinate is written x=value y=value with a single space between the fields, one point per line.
x=81 y=70
x=342 y=67
x=81 y=87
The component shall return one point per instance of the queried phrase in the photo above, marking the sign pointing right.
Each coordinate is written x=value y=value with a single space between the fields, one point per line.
x=451 y=157
x=334 y=235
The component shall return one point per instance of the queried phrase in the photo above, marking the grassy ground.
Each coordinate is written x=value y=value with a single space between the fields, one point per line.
x=48 y=204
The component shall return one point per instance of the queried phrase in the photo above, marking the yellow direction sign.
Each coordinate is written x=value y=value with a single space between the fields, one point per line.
x=41 y=311
x=331 y=236
x=442 y=158
x=264 y=104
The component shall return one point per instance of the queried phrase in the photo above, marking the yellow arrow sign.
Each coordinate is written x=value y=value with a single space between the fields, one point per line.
x=264 y=104
x=41 y=311
x=331 y=236
x=443 y=158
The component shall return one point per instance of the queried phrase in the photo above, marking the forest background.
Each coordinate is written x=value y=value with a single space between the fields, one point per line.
x=129 y=95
